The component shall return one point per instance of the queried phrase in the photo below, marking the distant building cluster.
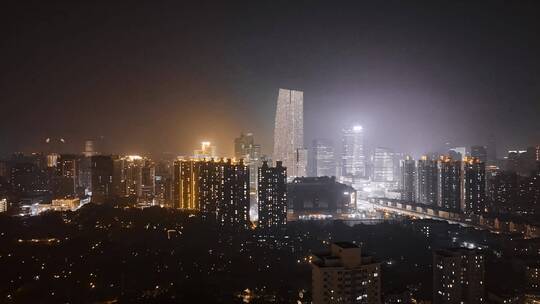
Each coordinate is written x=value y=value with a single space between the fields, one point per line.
x=452 y=185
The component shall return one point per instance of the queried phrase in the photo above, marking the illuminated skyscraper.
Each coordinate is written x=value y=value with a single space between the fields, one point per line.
x=353 y=160
x=272 y=196
x=289 y=132
x=383 y=165
x=426 y=181
x=323 y=161
x=458 y=276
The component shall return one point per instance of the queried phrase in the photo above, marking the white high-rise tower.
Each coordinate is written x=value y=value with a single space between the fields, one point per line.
x=353 y=160
x=289 y=132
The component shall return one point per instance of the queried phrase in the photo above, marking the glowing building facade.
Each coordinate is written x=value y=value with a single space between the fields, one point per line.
x=383 y=165
x=217 y=188
x=323 y=161
x=289 y=132
x=353 y=160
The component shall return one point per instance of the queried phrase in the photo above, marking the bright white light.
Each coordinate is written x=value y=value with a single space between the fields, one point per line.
x=357 y=128
x=133 y=157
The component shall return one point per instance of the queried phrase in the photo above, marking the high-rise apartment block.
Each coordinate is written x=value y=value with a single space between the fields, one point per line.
x=474 y=186
x=344 y=275
x=449 y=184
x=408 y=178
x=426 y=181
x=217 y=188
x=272 y=194
x=458 y=276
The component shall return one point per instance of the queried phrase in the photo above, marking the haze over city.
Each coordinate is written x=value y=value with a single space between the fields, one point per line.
x=162 y=77
x=301 y=152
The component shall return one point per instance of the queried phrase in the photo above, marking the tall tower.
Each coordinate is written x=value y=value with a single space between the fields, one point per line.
x=474 y=185
x=353 y=159
x=289 y=132
x=426 y=181
x=449 y=184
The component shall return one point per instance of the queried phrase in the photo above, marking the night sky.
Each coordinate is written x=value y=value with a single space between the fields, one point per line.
x=161 y=77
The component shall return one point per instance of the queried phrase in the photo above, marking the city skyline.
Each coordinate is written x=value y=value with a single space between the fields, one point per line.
x=306 y=152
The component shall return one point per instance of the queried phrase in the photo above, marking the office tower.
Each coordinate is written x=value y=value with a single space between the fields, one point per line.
x=217 y=188
x=353 y=160
x=383 y=165
x=272 y=194
x=101 y=168
x=458 y=276
x=323 y=160
x=320 y=197
x=426 y=181
x=289 y=132
x=479 y=152
x=449 y=184
x=206 y=151
x=408 y=177
x=474 y=186
x=344 y=275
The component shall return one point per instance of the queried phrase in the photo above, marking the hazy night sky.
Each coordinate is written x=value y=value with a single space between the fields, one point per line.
x=162 y=77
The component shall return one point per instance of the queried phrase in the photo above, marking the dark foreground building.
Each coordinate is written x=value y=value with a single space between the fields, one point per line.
x=313 y=197
x=344 y=275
